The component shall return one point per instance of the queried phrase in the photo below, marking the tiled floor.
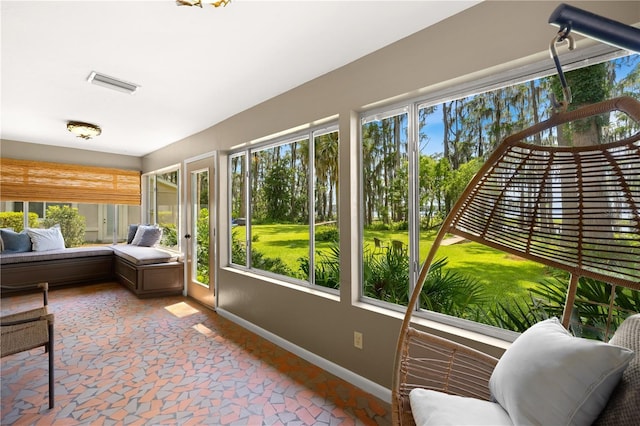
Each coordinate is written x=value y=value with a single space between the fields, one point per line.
x=121 y=360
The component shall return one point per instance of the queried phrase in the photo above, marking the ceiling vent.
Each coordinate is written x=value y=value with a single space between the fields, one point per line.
x=112 y=83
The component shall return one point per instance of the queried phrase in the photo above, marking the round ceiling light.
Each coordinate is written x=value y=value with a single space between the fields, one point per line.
x=83 y=130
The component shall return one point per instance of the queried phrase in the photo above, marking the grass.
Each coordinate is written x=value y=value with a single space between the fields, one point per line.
x=503 y=274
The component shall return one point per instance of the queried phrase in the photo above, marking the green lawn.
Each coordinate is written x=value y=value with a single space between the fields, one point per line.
x=504 y=275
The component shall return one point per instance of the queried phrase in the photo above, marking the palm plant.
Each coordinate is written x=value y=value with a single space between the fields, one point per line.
x=327 y=267
x=592 y=311
x=450 y=292
x=386 y=275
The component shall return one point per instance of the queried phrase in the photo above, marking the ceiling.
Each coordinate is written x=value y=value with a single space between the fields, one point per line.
x=196 y=67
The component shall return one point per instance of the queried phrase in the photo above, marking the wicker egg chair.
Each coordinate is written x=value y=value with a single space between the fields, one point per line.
x=572 y=208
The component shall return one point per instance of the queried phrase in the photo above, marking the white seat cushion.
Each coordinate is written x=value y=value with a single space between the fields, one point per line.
x=437 y=408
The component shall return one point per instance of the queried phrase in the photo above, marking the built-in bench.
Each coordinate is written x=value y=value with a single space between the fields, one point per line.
x=146 y=271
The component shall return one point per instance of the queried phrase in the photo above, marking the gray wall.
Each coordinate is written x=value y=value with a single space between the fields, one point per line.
x=54 y=154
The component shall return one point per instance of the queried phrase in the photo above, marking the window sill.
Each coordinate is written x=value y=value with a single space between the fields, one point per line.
x=320 y=292
x=492 y=345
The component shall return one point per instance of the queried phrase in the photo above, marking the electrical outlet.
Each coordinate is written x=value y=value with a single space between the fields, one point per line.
x=357 y=339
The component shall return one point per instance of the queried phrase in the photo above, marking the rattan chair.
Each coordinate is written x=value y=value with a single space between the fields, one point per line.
x=28 y=330
x=572 y=208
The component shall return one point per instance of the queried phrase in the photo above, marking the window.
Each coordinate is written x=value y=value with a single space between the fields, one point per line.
x=81 y=223
x=238 y=199
x=283 y=207
x=451 y=139
x=92 y=205
x=162 y=204
x=385 y=180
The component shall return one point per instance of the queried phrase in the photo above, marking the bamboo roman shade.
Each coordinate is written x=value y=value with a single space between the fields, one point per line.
x=22 y=180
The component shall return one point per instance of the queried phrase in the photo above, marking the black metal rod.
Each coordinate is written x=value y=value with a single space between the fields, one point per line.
x=596 y=27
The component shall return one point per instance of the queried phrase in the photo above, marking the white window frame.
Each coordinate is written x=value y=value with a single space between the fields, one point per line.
x=517 y=75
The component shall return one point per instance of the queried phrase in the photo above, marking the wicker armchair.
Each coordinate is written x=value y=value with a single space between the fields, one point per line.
x=27 y=330
x=572 y=208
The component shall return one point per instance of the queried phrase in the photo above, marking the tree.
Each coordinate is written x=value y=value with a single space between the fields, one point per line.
x=277 y=192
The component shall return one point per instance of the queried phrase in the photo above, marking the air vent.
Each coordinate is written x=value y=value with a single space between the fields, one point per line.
x=112 y=83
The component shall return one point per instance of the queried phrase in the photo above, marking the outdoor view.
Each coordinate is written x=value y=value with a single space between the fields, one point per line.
x=452 y=140
x=80 y=223
x=286 y=224
x=469 y=280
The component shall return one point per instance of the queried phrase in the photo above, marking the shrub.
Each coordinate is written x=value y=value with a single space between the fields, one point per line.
x=71 y=224
x=169 y=235
x=203 y=246
x=401 y=226
x=14 y=220
x=378 y=226
x=327 y=233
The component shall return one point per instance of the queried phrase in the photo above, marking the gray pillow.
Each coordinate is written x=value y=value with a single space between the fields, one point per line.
x=147 y=236
x=15 y=242
x=132 y=233
x=623 y=407
x=2 y=242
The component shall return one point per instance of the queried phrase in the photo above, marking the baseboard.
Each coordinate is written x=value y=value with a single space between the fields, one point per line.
x=365 y=384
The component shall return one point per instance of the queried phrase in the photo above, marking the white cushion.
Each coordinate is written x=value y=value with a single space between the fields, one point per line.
x=46 y=239
x=437 y=408
x=549 y=377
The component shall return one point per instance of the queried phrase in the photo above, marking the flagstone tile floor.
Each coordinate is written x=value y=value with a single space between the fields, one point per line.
x=120 y=360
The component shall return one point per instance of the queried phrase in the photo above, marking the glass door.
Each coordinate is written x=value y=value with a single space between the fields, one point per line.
x=200 y=234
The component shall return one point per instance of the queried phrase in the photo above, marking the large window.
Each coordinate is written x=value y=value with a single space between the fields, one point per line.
x=92 y=205
x=405 y=197
x=283 y=207
x=81 y=223
x=162 y=204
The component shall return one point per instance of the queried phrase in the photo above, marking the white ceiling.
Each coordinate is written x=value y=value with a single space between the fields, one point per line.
x=196 y=66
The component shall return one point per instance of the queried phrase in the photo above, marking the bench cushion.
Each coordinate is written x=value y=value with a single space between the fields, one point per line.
x=144 y=255
x=68 y=253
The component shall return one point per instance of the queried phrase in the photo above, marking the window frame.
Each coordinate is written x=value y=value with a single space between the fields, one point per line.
x=247 y=150
x=145 y=215
x=508 y=75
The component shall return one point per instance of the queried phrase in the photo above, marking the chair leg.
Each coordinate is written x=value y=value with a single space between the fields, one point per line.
x=51 y=367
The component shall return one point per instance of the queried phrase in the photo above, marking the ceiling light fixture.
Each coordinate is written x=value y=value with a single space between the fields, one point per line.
x=83 y=130
x=199 y=3
x=112 y=83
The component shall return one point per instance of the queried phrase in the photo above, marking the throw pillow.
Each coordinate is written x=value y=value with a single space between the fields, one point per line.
x=147 y=236
x=550 y=377
x=46 y=239
x=623 y=408
x=132 y=233
x=15 y=242
x=1 y=241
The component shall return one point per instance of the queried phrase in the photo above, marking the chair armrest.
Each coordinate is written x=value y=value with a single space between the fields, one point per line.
x=44 y=287
x=431 y=362
x=46 y=317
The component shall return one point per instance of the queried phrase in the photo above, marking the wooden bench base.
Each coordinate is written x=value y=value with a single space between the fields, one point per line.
x=158 y=279
x=59 y=272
